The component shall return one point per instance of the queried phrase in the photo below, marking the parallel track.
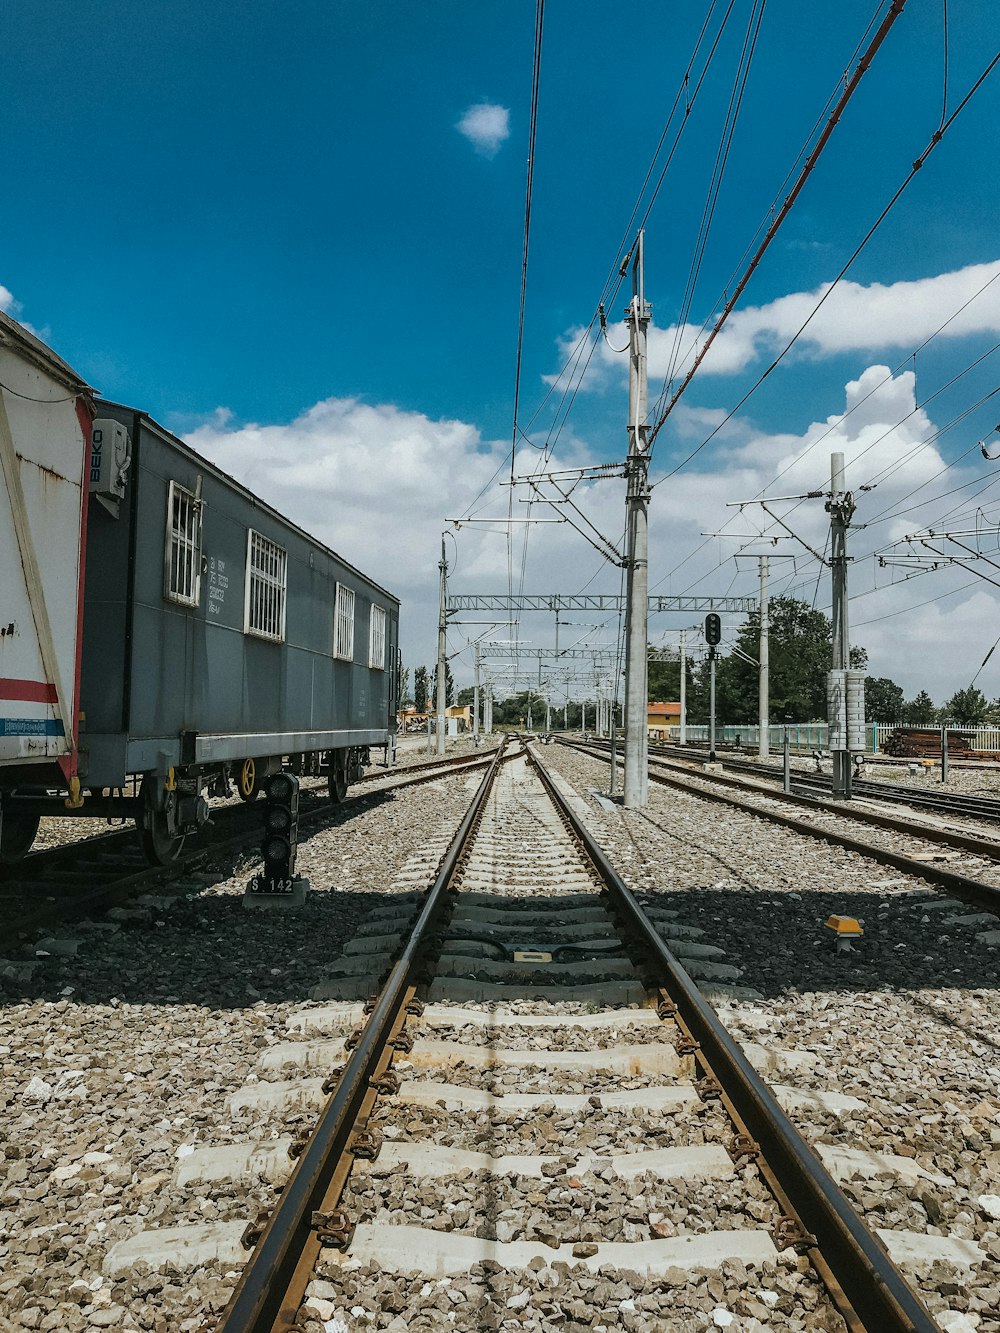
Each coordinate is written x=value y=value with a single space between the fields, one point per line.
x=816 y=1218
x=97 y=873
x=956 y=804
x=711 y=786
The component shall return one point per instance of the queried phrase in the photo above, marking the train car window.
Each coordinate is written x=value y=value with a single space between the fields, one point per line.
x=376 y=638
x=266 y=581
x=343 y=623
x=183 y=551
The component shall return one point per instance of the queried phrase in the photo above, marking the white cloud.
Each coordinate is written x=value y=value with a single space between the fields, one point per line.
x=486 y=126
x=853 y=318
x=8 y=303
x=377 y=484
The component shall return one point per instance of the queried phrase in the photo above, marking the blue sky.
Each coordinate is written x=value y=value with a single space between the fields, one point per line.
x=264 y=225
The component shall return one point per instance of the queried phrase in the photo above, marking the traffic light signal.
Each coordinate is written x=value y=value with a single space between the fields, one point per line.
x=713 y=629
x=281 y=833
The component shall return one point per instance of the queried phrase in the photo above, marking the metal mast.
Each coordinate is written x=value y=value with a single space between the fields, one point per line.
x=637 y=545
x=763 y=685
x=442 y=664
x=841 y=507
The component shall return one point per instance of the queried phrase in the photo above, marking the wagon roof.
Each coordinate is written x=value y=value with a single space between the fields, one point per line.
x=16 y=335
x=248 y=494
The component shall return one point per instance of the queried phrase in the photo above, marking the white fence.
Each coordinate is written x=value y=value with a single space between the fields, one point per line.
x=816 y=735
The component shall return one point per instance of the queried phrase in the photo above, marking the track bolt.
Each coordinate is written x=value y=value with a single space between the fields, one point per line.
x=370 y=1003
x=402 y=1041
x=415 y=1008
x=666 y=1009
x=744 y=1148
x=253 y=1231
x=333 y=1229
x=789 y=1234
x=352 y=1039
x=687 y=1045
x=708 y=1088
x=367 y=1143
x=388 y=1083
x=298 y=1145
x=332 y=1079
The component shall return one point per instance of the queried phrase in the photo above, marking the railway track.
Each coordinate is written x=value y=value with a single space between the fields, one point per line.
x=526 y=913
x=956 y=804
x=101 y=872
x=921 y=861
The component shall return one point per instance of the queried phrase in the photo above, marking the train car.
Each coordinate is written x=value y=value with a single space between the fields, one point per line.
x=45 y=446
x=220 y=642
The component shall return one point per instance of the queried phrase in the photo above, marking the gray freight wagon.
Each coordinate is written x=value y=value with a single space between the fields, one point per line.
x=220 y=641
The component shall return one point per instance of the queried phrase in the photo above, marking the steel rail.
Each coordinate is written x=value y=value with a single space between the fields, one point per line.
x=69 y=905
x=966 y=841
x=879 y=1295
x=957 y=804
x=257 y=1303
x=973 y=891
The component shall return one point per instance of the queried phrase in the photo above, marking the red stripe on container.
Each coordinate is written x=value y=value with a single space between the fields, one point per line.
x=27 y=691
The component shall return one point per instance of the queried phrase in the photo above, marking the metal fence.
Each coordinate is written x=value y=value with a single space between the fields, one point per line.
x=816 y=735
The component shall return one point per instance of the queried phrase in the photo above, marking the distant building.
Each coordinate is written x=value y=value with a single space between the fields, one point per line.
x=458 y=718
x=660 y=717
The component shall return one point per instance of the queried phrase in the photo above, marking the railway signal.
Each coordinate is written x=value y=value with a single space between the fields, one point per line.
x=280 y=840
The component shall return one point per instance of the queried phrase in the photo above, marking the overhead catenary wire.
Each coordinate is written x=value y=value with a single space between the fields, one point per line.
x=895 y=9
x=935 y=139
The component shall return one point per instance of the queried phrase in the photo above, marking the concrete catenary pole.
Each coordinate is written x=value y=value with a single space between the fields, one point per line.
x=442 y=663
x=763 y=682
x=636 y=792
x=475 y=695
x=683 y=737
x=841 y=506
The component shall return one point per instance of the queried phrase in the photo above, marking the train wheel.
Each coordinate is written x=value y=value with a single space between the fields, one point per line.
x=161 y=845
x=336 y=778
x=249 y=780
x=17 y=833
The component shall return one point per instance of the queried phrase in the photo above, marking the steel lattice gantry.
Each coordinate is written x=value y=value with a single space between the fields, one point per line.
x=559 y=602
x=495 y=651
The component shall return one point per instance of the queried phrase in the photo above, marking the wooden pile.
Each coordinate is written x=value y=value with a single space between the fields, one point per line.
x=924 y=743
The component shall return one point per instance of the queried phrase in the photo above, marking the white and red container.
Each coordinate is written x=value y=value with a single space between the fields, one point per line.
x=46 y=411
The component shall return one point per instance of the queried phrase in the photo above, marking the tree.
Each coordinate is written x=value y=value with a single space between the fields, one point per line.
x=420 y=677
x=967 y=708
x=449 y=687
x=405 y=698
x=920 y=711
x=884 y=700
x=466 y=697
x=800 y=650
x=665 y=675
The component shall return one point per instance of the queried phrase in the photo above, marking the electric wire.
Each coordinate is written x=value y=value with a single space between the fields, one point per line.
x=935 y=139
x=895 y=9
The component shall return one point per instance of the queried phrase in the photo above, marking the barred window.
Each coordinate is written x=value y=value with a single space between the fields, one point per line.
x=267 y=565
x=343 y=623
x=376 y=638
x=183 y=553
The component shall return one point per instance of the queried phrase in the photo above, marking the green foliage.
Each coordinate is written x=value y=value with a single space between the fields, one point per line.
x=665 y=675
x=449 y=687
x=420 y=694
x=920 y=711
x=884 y=700
x=405 y=698
x=466 y=697
x=967 y=708
x=800 y=649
